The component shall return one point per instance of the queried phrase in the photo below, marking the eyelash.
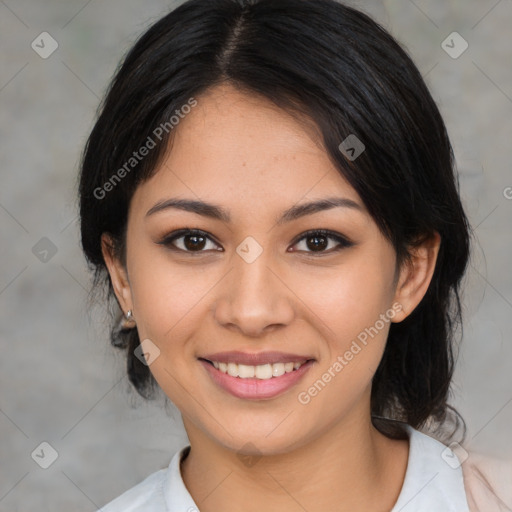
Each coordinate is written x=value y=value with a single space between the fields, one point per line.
x=343 y=243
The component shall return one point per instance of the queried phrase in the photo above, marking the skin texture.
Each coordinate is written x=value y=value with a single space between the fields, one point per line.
x=243 y=153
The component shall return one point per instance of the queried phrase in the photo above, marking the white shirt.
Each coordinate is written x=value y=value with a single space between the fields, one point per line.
x=434 y=481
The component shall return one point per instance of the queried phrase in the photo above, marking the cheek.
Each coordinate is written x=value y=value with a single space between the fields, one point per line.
x=165 y=296
x=345 y=300
x=169 y=302
x=351 y=307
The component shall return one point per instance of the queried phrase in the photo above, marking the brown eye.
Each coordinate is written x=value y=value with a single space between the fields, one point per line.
x=189 y=240
x=318 y=241
x=194 y=242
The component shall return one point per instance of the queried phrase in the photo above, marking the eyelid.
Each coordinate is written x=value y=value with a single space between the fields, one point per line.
x=179 y=233
x=342 y=241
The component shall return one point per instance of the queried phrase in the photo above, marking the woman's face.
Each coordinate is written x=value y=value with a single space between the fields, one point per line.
x=255 y=284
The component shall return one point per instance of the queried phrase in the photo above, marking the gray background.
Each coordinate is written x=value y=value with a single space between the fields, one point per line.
x=60 y=381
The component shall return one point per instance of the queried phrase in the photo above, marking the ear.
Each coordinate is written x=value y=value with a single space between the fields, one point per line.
x=118 y=274
x=415 y=275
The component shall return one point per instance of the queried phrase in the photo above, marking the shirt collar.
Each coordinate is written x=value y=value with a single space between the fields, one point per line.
x=433 y=480
x=177 y=497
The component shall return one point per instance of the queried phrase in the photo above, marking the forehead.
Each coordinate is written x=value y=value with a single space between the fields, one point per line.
x=242 y=149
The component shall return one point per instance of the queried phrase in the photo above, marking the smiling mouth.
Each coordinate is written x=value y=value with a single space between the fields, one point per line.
x=262 y=371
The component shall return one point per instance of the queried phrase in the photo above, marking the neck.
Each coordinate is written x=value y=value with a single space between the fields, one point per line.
x=351 y=467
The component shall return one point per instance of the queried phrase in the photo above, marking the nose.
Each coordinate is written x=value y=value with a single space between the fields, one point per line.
x=254 y=299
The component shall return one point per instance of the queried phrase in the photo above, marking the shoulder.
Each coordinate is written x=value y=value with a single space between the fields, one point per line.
x=484 y=483
x=435 y=476
x=146 y=496
x=162 y=491
x=433 y=479
x=488 y=483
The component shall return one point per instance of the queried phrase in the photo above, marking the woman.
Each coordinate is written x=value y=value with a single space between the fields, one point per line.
x=269 y=194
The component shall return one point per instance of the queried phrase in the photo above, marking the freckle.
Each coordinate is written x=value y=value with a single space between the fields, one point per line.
x=243 y=165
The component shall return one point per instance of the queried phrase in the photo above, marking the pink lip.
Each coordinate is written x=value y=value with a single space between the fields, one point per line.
x=257 y=389
x=255 y=359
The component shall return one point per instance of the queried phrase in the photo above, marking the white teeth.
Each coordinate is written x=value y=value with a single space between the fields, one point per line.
x=288 y=367
x=233 y=369
x=262 y=371
x=277 y=369
x=246 y=372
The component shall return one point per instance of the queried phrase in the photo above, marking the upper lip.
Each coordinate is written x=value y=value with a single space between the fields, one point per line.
x=255 y=359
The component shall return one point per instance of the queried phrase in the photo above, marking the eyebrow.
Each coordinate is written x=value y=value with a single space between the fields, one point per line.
x=219 y=213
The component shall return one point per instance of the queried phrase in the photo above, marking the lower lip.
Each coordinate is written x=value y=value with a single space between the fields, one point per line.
x=256 y=389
